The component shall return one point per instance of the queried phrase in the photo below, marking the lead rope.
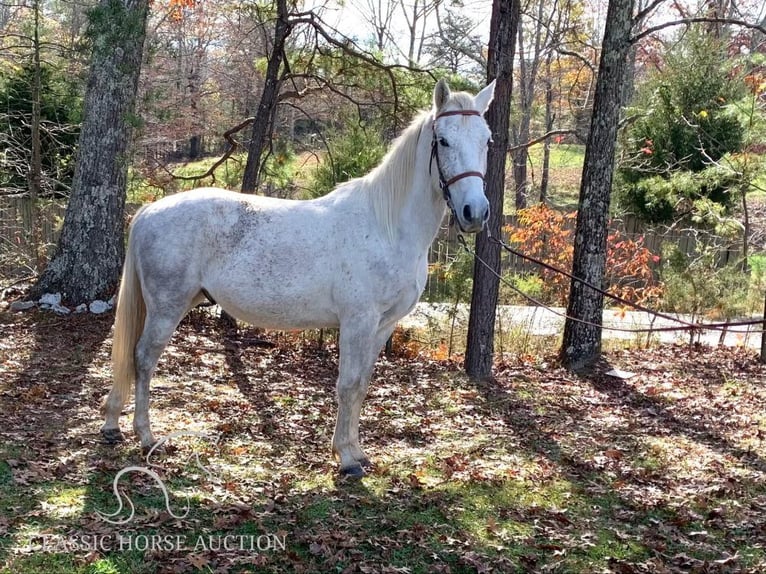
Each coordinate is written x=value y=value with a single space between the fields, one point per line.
x=685 y=325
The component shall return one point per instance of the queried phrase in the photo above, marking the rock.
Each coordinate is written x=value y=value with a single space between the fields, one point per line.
x=21 y=305
x=51 y=299
x=81 y=308
x=97 y=307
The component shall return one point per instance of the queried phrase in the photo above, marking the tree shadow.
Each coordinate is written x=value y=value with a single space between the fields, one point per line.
x=651 y=522
x=250 y=385
x=658 y=409
x=46 y=398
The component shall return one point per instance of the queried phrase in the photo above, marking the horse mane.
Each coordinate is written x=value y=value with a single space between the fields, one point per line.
x=390 y=182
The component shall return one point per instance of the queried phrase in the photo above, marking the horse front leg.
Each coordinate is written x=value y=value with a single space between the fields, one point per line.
x=359 y=349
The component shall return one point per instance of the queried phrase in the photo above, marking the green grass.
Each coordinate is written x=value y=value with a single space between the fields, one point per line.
x=562 y=155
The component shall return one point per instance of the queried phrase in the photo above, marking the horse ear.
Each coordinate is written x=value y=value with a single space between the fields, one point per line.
x=484 y=97
x=441 y=94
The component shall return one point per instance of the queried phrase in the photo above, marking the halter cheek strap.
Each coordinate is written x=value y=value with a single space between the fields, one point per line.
x=445 y=183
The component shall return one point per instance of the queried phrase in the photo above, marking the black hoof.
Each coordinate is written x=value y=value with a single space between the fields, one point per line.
x=112 y=436
x=355 y=471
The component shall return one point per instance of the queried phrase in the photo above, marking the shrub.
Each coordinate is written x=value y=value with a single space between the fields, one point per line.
x=60 y=111
x=661 y=198
x=278 y=175
x=685 y=125
x=353 y=152
x=695 y=283
x=548 y=236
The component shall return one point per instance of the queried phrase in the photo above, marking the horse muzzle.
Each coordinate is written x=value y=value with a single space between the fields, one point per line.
x=472 y=217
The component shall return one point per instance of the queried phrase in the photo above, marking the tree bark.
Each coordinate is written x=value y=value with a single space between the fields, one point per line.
x=264 y=118
x=481 y=323
x=195 y=147
x=582 y=342
x=35 y=175
x=88 y=258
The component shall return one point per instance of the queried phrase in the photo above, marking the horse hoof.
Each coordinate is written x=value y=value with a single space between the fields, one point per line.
x=356 y=471
x=112 y=436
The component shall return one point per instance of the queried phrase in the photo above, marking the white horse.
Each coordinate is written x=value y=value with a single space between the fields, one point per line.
x=354 y=259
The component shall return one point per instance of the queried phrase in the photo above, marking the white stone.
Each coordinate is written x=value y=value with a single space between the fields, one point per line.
x=51 y=299
x=81 y=308
x=97 y=307
x=60 y=309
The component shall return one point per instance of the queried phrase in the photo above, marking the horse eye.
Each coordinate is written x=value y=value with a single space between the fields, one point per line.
x=443 y=142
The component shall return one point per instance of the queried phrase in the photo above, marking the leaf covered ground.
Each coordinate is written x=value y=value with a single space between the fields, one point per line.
x=539 y=470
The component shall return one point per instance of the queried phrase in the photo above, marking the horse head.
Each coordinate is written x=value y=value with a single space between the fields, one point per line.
x=459 y=148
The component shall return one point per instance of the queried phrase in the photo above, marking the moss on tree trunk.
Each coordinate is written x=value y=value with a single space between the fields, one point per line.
x=88 y=258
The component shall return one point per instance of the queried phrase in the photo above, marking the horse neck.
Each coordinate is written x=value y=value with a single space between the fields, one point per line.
x=422 y=208
x=423 y=211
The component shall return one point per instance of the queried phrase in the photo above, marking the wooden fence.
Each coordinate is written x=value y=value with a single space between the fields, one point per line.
x=27 y=236
x=23 y=251
x=446 y=249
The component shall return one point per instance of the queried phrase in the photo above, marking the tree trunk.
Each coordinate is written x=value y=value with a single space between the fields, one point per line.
x=545 y=177
x=36 y=164
x=582 y=342
x=264 y=118
x=521 y=137
x=88 y=258
x=481 y=322
x=195 y=147
x=520 y=172
x=35 y=174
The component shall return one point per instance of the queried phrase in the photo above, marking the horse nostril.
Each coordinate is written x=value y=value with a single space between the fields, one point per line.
x=467 y=212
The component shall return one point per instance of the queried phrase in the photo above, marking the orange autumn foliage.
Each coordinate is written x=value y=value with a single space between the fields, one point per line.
x=548 y=235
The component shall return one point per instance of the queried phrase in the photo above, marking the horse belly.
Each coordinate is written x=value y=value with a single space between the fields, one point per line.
x=282 y=317
x=275 y=308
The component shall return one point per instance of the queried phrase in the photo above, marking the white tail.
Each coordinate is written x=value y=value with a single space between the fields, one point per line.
x=128 y=325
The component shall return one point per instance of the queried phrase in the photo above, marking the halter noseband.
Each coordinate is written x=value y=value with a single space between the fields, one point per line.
x=445 y=183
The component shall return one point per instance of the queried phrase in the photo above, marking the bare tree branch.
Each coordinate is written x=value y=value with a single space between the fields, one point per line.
x=543 y=137
x=577 y=56
x=646 y=11
x=686 y=21
x=233 y=145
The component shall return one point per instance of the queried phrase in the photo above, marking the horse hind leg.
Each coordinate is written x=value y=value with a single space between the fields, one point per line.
x=158 y=329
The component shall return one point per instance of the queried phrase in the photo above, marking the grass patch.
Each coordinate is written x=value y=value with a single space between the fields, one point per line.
x=565 y=169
